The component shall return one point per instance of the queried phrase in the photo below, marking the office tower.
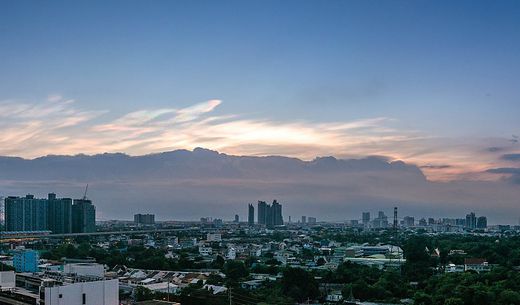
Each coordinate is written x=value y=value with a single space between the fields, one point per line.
x=482 y=222
x=237 y=218
x=262 y=213
x=471 y=221
x=312 y=220
x=144 y=219
x=304 y=219
x=251 y=215
x=366 y=218
x=83 y=216
x=59 y=214
x=26 y=214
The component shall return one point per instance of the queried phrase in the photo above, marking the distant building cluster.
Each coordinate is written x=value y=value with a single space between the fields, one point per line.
x=268 y=215
x=470 y=222
x=58 y=215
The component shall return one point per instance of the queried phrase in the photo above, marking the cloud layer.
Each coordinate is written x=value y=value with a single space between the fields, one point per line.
x=58 y=126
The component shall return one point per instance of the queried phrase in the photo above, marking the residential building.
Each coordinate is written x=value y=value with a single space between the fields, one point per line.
x=409 y=221
x=59 y=214
x=144 y=219
x=251 y=215
x=471 y=221
x=262 y=213
x=482 y=222
x=26 y=213
x=83 y=216
x=366 y=218
x=26 y=260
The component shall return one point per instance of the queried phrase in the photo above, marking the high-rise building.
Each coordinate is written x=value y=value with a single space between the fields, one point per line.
x=237 y=218
x=312 y=220
x=277 y=213
x=304 y=219
x=408 y=221
x=59 y=214
x=270 y=214
x=262 y=212
x=422 y=222
x=471 y=221
x=144 y=219
x=366 y=218
x=482 y=222
x=83 y=216
x=26 y=214
x=251 y=215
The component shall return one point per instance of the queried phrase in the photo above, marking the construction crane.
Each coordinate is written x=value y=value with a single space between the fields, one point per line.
x=85 y=194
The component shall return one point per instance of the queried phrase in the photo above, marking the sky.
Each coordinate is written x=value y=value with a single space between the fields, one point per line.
x=433 y=83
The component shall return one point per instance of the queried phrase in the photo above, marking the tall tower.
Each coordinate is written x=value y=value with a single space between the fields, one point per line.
x=395 y=218
x=251 y=215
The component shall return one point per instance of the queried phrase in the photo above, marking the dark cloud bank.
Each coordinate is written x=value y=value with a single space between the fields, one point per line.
x=183 y=185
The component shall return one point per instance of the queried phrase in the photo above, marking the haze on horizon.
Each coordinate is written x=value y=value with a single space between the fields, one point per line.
x=431 y=83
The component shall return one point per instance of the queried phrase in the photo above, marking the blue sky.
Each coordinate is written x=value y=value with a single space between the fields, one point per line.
x=430 y=69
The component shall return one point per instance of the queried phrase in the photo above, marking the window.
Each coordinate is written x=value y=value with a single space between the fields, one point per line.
x=60 y=296
x=84 y=299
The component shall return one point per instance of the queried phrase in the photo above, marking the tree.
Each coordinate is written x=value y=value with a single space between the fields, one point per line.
x=235 y=270
x=143 y=294
x=299 y=284
x=454 y=301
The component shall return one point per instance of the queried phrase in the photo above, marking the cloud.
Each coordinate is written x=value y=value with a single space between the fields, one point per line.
x=58 y=125
x=511 y=157
x=439 y=166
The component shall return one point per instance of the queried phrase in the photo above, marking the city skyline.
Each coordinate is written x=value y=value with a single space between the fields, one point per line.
x=111 y=89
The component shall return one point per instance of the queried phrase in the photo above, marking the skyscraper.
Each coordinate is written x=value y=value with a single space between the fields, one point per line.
x=471 y=221
x=366 y=218
x=262 y=213
x=251 y=215
x=59 y=214
x=482 y=222
x=270 y=214
x=83 y=216
x=277 y=213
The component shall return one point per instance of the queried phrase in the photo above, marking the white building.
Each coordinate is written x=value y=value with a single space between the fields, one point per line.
x=85 y=269
x=103 y=292
x=214 y=237
x=231 y=253
x=205 y=251
x=7 y=280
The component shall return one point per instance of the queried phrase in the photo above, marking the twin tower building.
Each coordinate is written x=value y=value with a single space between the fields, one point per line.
x=269 y=215
x=58 y=215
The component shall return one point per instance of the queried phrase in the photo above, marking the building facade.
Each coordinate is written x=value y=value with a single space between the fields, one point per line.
x=83 y=216
x=144 y=219
x=251 y=215
x=26 y=260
